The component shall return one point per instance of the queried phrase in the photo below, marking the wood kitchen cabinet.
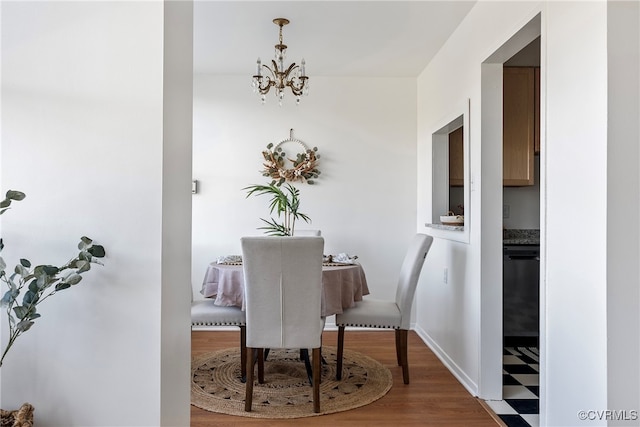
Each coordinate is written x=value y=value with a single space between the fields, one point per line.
x=456 y=159
x=519 y=125
x=536 y=110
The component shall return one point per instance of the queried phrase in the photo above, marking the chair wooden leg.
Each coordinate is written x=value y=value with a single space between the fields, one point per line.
x=316 y=380
x=307 y=364
x=248 y=386
x=401 y=341
x=260 y=365
x=398 y=349
x=243 y=353
x=340 y=351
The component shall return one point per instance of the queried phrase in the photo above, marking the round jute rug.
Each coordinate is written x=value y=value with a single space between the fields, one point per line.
x=286 y=392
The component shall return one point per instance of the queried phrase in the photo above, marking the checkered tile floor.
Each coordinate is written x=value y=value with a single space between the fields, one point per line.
x=520 y=389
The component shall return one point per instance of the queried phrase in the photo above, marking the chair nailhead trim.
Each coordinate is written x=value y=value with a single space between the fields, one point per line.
x=364 y=325
x=217 y=324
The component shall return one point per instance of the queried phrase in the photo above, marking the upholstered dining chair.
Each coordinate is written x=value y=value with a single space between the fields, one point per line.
x=206 y=313
x=283 y=291
x=389 y=314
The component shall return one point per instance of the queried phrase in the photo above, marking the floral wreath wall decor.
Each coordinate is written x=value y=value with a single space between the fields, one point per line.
x=305 y=165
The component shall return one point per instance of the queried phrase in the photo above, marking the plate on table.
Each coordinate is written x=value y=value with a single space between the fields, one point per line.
x=342 y=259
x=230 y=260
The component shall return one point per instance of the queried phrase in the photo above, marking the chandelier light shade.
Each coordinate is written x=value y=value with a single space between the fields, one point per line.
x=277 y=76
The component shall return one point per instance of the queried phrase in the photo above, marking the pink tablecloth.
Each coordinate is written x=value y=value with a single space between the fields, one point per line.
x=342 y=286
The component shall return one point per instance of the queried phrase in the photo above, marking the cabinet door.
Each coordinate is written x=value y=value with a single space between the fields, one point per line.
x=518 y=126
x=456 y=160
x=536 y=110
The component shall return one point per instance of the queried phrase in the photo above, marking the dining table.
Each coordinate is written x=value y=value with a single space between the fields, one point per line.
x=342 y=285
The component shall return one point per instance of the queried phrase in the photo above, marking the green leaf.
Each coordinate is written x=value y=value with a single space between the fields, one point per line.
x=24 y=325
x=97 y=251
x=29 y=298
x=62 y=285
x=20 y=270
x=270 y=145
x=4 y=204
x=73 y=279
x=273 y=228
x=85 y=242
x=25 y=262
x=50 y=270
x=33 y=286
x=3 y=265
x=7 y=298
x=15 y=195
x=42 y=281
x=21 y=312
x=83 y=266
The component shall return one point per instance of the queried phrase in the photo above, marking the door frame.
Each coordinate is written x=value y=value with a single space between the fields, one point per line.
x=491 y=347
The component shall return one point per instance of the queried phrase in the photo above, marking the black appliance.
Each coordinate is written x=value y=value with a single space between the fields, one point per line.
x=521 y=295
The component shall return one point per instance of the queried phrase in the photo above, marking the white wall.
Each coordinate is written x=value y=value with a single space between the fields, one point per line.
x=364 y=201
x=449 y=315
x=524 y=203
x=82 y=135
x=623 y=192
x=177 y=127
x=576 y=286
x=574 y=168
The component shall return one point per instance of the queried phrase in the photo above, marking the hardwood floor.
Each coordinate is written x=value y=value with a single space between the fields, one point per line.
x=433 y=398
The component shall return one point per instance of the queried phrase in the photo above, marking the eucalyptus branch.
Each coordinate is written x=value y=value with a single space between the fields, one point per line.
x=40 y=283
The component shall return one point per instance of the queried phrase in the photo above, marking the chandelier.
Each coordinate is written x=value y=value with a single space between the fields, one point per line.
x=277 y=76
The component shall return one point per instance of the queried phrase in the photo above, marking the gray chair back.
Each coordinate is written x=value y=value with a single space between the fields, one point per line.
x=283 y=291
x=307 y=233
x=409 y=275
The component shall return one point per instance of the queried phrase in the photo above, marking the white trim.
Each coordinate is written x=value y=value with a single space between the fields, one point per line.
x=457 y=372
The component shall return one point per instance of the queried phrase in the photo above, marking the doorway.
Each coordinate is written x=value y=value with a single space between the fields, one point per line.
x=521 y=238
x=521 y=197
x=491 y=351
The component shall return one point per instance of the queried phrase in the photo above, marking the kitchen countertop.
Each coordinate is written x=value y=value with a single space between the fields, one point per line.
x=446 y=227
x=521 y=237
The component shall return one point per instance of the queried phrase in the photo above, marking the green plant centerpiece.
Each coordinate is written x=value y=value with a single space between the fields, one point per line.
x=285 y=201
x=40 y=282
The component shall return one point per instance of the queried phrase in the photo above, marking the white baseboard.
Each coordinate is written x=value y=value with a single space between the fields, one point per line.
x=461 y=376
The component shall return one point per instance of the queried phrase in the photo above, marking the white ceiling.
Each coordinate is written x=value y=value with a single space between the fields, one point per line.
x=336 y=38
